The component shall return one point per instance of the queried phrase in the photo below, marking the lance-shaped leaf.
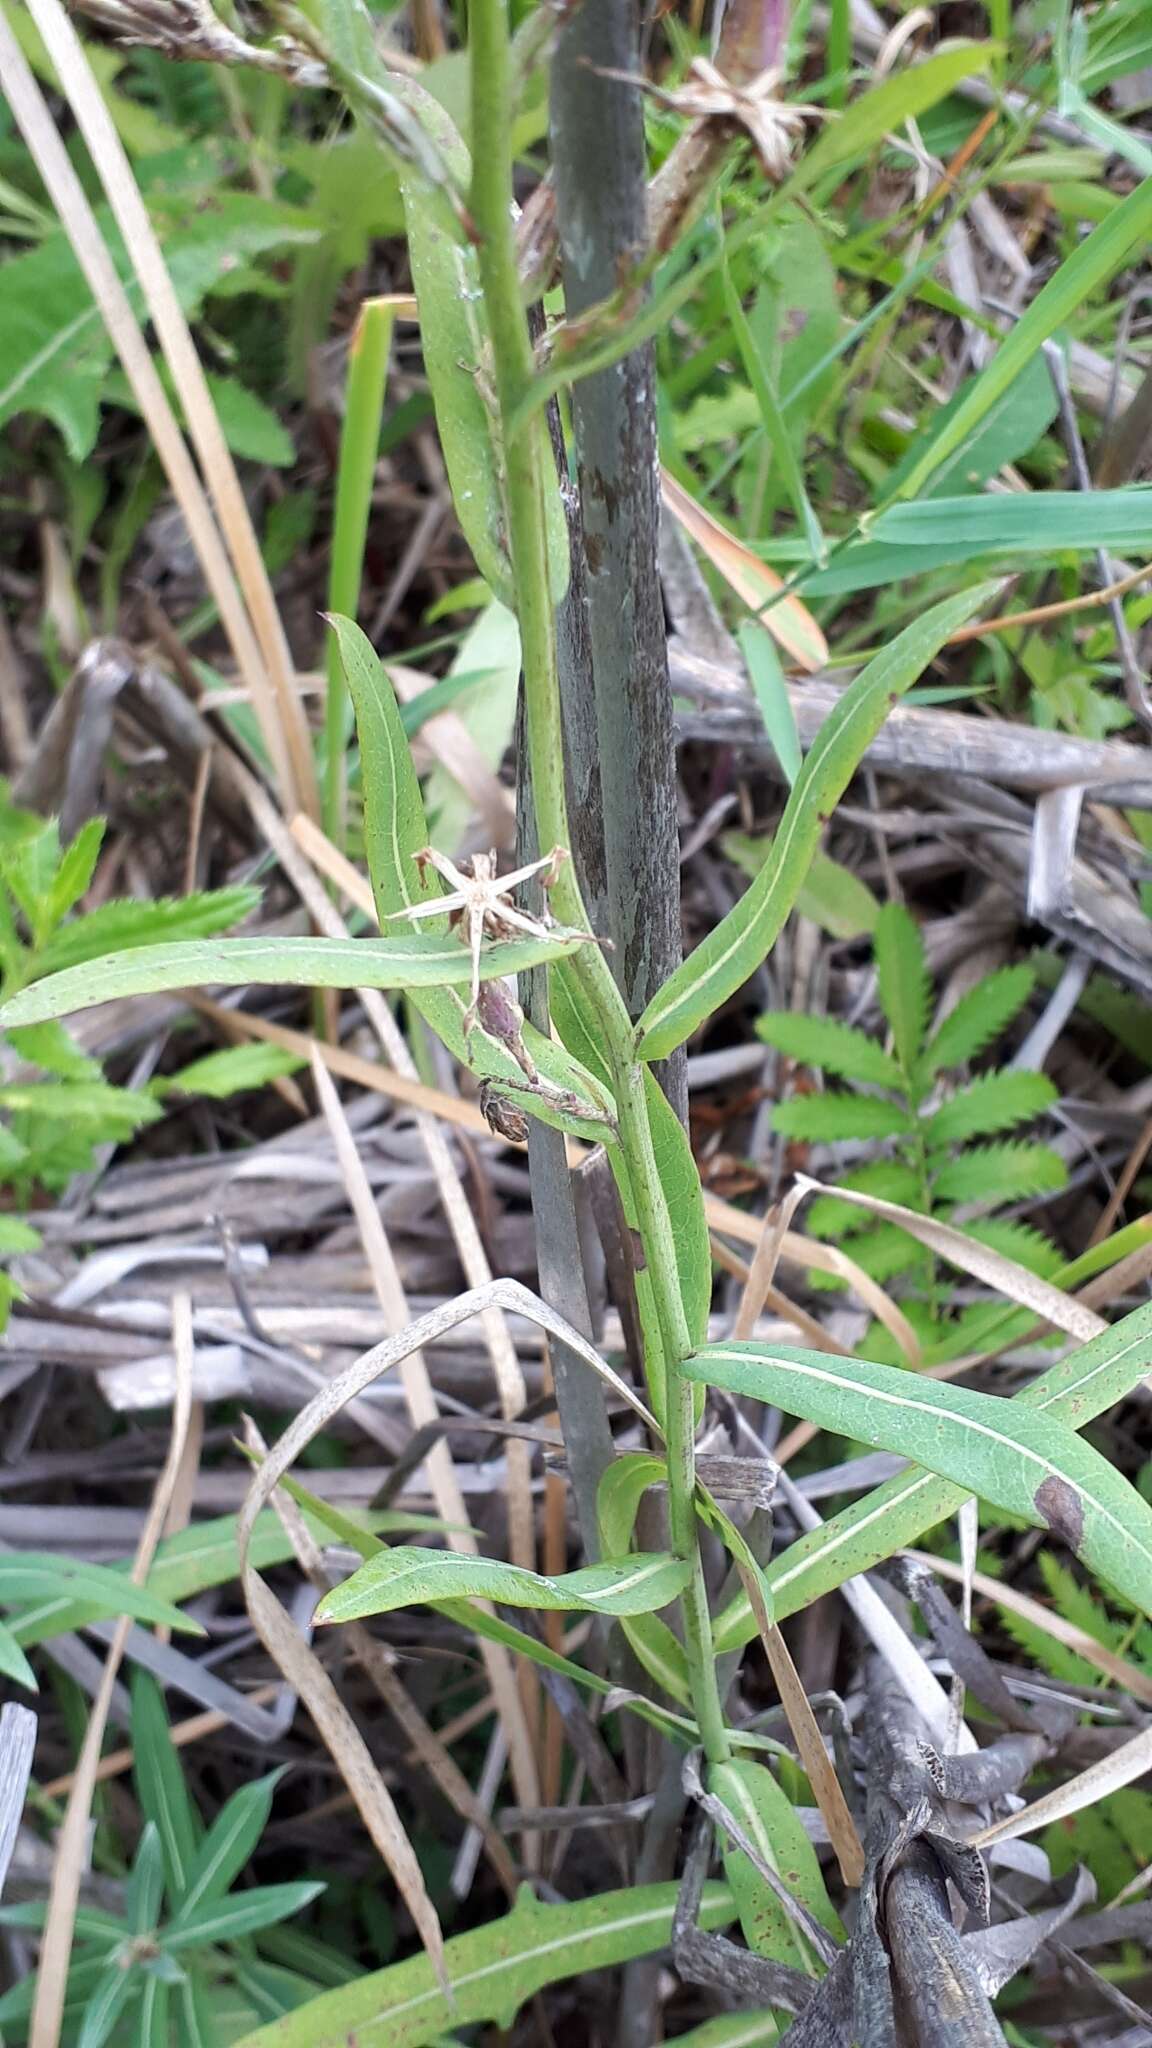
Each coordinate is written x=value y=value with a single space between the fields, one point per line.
x=408 y=1576
x=1018 y=1459
x=302 y=963
x=733 y=951
x=492 y=1970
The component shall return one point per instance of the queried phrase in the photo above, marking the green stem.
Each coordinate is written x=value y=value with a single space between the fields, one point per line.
x=359 y=441
x=525 y=456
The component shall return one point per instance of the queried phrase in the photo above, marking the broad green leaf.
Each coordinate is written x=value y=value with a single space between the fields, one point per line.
x=229 y=1842
x=29 y=1574
x=979 y=1017
x=999 y=1173
x=115 y=927
x=1019 y=1459
x=395 y=829
x=1089 y=266
x=830 y=1118
x=725 y=959
x=493 y=1970
x=241 y=1913
x=621 y=1490
x=903 y=980
x=416 y=962
x=235 y=1067
x=901 y=98
x=825 y=1042
x=408 y=1576
x=766 y=1815
x=17 y=1236
x=993 y=1102
x=161 y=1785
x=1008 y=432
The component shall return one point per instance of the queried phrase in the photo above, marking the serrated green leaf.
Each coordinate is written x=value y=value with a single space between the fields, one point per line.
x=1019 y=1459
x=993 y=1102
x=979 y=1018
x=77 y=866
x=235 y=1067
x=417 y=962
x=831 y=1118
x=891 y=1179
x=1019 y=1241
x=725 y=959
x=767 y=1817
x=825 y=1042
x=49 y=1046
x=85 y=1104
x=903 y=980
x=407 y=1576
x=493 y=1970
x=17 y=1236
x=999 y=1173
x=115 y=927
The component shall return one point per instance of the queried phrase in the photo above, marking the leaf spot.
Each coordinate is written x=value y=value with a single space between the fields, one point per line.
x=1062 y=1508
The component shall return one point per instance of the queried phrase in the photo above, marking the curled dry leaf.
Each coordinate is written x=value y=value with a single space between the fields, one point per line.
x=789 y=622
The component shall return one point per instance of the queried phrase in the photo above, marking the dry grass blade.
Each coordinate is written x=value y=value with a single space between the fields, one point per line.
x=788 y=621
x=765 y=1259
x=1053 y=1624
x=17 y=1744
x=1016 y=1282
x=71 y=1842
x=342 y=1738
x=826 y=1786
x=1111 y=1774
x=725 y=1220
x=77 y=218
x=115 y=173
x=375 y=1659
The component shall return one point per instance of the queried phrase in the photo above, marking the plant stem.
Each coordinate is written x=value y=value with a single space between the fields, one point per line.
x=359 y=441
x=526 y=454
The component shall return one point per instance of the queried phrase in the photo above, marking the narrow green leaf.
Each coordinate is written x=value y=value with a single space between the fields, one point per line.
x=1091 y=265
x=240 y=1913
x=766 y=1815
x=116 y=1988
x=416 y=962
x=229 y=1843
x=725 y=959
x=161 y=1787
x=979 y=1018
x=993 y=1102
x=903 y=980
x=766 y=675
x=886 y=107
x=493 y=1970
x=407 y=1576
x=1030 y=522
x=1020 y=1459
x=759 y=375
x=830 y=1118
x=29 y=1574
x=825 y=1042
x=13 y=1662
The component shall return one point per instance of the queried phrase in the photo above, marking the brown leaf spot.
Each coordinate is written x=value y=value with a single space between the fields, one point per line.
x=1062 y=1508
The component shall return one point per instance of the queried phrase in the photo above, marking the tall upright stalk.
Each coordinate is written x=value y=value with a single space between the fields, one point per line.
x=525 y=457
